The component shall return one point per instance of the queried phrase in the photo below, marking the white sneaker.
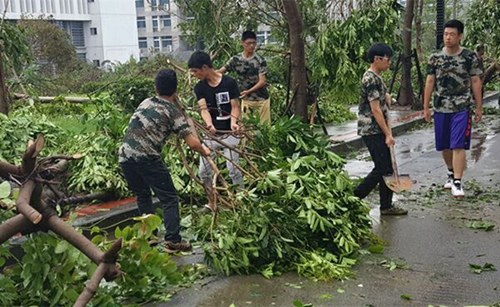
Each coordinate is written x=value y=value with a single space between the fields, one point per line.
x=448 y=184
x=456 y=190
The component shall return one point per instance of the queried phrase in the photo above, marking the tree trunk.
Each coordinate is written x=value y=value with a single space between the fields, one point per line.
x=4 y=97
x=439 y=23
x=406 y=92
x=298 y=61
x=419 y=9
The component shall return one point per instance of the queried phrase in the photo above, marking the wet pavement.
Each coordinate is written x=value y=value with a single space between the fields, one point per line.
x=427 y=253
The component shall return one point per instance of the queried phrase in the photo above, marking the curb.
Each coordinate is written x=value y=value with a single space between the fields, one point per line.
x=400 y=126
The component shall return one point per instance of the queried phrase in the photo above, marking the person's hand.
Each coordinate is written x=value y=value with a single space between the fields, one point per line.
x=427 y=115
x=244 y=93
x=211 y=129
x=479 y=114
x=205 y=151
x=389 y=141
x=235 y=127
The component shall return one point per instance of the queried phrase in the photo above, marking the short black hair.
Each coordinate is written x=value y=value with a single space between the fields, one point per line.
x=378 y=49
x=455 y=23
x=248 y=35
x=198 y=59
x=166 y=82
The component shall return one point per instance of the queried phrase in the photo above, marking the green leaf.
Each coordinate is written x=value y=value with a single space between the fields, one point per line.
x=4 y=189
x=406 y=297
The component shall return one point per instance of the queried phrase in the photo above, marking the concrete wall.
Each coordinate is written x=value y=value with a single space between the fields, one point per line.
x=116 y=31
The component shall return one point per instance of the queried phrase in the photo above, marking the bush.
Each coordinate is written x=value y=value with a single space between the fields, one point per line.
x=130 y=92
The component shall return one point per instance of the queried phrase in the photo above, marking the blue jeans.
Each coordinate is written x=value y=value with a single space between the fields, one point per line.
x=149 y=174
x=381 y=157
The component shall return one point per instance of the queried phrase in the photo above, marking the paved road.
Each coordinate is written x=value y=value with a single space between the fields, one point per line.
x=433 y=246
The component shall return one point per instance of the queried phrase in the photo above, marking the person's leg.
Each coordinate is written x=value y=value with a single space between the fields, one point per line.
x=245 y=108
x=265 y=111
x=442 y=133
x=205 y=170
x=448 y=158
x=461 y=130
x=379 y=157
x=232 y=159
x=158 y=177
x=132 y=171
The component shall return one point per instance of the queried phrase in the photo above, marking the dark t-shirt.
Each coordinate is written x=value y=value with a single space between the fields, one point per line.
x=219 y=100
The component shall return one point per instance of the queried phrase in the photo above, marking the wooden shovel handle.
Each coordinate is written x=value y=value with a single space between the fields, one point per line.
x=394 y=164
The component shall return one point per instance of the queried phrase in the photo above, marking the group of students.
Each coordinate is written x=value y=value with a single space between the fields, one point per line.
x=454 y=77
x=156 y=118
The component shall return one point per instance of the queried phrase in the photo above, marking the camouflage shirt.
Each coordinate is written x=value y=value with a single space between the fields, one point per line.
x=452 y=89
x=248 y=70
x=372 y=88
x=149 y=127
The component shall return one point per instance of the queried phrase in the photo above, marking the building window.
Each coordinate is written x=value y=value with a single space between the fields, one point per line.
x=143 y=42
x=166 y=43
x=141 y=22
x=96 y=63
x=82 y=56
x=93 y=31
x=139 y=3
x=165 y=5
x=165 y=21
x=156 y=43
x=155 y=23
x=264 y=37
x=90 y=0
x=154 y=5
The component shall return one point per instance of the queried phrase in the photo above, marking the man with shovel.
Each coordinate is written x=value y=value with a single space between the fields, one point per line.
x=374 y=129
x=451 y=74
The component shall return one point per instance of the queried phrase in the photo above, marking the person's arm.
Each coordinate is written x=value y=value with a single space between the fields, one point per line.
x=235 y=114
x=477 y=84
x=258 y=85
x=429 y=88
x=379 y=118
x=222 y=70
x=194 y=143
x=205 y=114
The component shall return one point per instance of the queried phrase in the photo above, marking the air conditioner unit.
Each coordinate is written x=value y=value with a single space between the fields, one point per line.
x=169 y=48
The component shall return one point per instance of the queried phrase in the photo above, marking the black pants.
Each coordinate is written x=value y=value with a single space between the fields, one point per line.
x=152 y=173
x=382 y=159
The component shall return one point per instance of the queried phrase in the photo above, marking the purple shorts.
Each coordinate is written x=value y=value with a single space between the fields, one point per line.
x=452 y=130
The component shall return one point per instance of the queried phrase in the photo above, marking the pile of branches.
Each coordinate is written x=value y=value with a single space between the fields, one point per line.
x=296 y=212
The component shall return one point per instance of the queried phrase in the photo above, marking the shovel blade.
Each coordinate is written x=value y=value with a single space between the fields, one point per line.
x=403 y=183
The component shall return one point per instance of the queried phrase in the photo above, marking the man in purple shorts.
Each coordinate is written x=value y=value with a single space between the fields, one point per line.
x=451 y=74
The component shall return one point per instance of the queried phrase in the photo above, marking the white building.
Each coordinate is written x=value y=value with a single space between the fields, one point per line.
x=101 y=30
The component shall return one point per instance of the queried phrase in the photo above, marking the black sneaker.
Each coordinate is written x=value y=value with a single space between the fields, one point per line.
x=393 y=211
x=175 y=247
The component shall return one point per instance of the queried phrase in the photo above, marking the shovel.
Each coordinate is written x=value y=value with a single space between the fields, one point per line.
x=397 y=182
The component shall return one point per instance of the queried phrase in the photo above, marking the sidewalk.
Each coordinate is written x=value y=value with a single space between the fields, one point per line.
x=344 y=138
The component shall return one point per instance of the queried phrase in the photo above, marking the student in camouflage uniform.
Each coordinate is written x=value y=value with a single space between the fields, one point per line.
x=218 y=100
x=374 y=129
x=251 y=70
x=451 y=74
x=140 y=155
